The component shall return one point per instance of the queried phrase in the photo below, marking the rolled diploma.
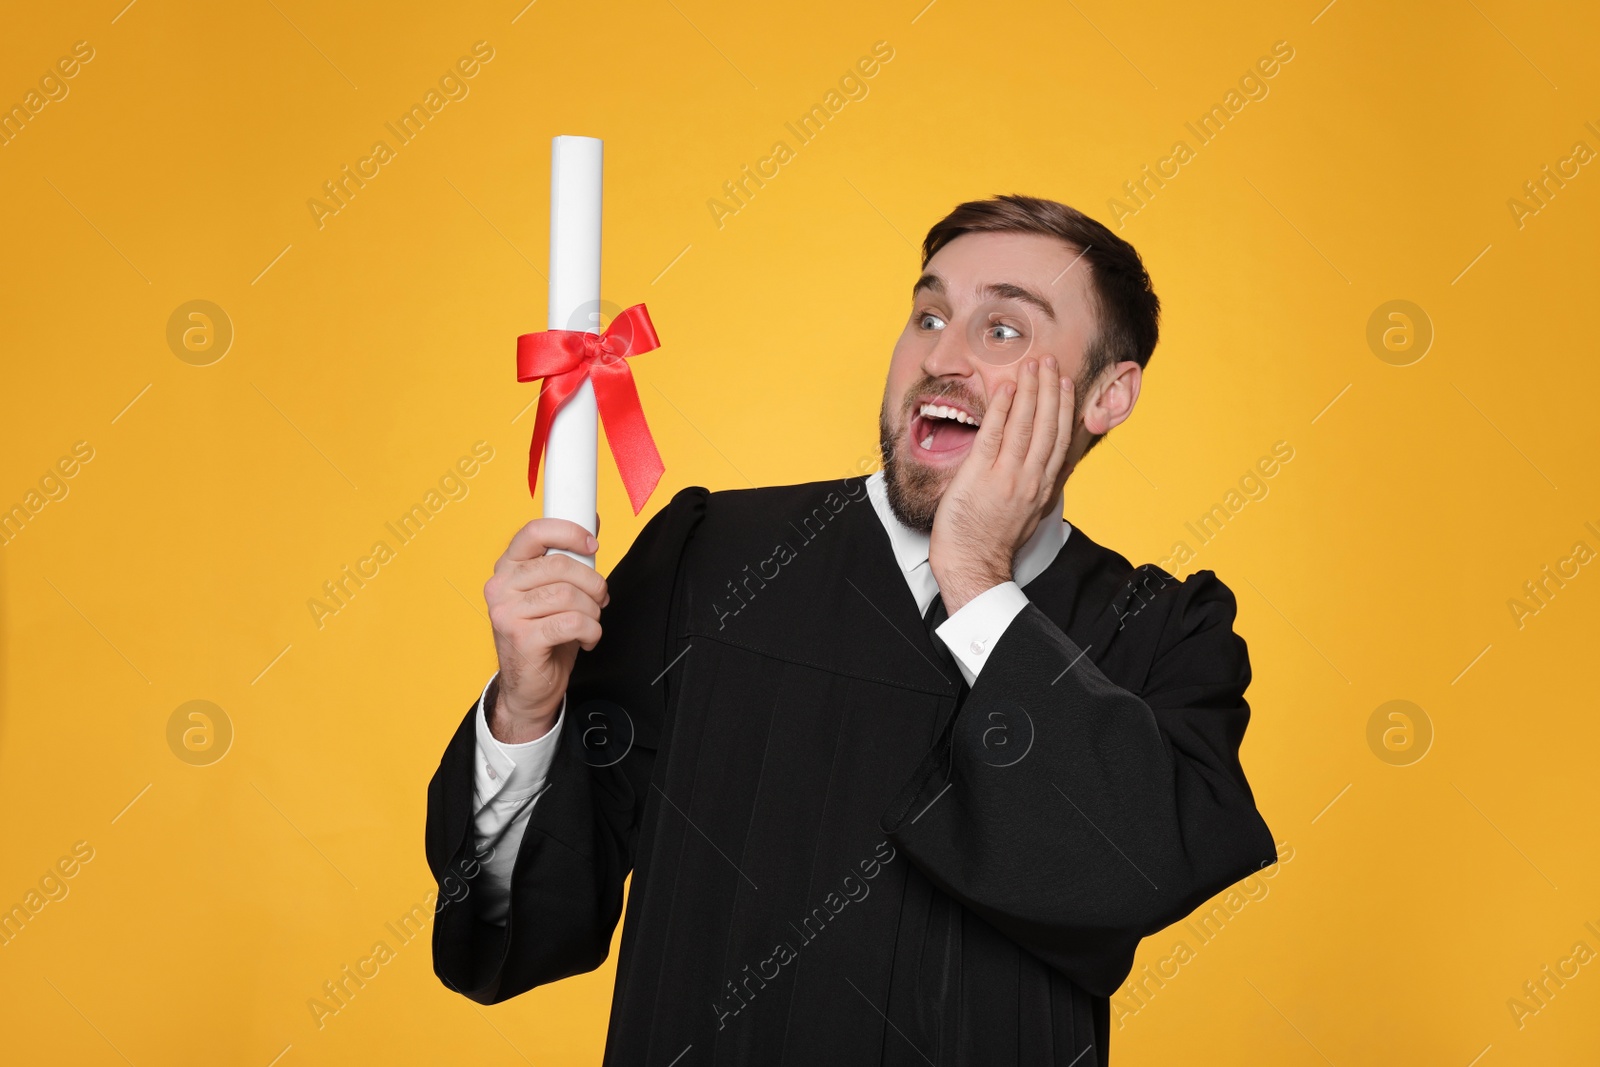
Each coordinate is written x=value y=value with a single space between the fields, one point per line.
x=573 y=447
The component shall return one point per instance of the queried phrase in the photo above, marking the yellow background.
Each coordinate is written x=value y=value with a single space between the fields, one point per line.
x=376 y=349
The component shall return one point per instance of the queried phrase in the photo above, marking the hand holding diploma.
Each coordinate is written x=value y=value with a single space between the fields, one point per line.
x=544 y=605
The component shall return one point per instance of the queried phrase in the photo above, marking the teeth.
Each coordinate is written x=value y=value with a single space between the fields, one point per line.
x=940 y=411
x=927 y=442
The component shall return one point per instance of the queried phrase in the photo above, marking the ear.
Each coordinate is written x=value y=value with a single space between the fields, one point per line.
x=1111 y=399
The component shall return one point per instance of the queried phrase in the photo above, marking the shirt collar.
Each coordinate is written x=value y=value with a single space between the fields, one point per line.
x=911 y=546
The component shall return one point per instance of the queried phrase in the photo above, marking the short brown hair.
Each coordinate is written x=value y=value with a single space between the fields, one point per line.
x=1127 y=310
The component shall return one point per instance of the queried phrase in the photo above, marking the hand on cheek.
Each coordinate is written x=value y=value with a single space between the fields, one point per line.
x=1003 y=488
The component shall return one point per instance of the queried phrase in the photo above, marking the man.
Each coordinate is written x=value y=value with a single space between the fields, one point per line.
x=903 y=766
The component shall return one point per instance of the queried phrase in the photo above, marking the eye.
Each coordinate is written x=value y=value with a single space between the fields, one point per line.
x=927 y=317
x=999 y=331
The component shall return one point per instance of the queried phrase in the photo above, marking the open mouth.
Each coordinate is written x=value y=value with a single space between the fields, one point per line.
x=942 y=431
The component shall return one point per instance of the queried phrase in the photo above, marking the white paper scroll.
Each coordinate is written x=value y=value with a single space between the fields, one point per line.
x=571 y=455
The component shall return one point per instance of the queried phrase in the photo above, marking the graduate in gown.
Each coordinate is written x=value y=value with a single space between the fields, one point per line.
x=849 y=842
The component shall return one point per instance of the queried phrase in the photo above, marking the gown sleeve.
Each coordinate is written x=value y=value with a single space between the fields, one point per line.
x=1106 y=814
x=567 y=881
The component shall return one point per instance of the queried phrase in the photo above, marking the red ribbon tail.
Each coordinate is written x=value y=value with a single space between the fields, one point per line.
x=638 y=460
x=553 y=392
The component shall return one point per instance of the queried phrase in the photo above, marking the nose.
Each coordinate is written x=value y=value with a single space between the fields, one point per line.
x=949 y=355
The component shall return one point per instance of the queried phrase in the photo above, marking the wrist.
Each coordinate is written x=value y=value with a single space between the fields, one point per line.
x=959 y=588
x=513 y=723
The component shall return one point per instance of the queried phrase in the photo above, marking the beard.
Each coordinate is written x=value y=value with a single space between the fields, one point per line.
x=914 y=489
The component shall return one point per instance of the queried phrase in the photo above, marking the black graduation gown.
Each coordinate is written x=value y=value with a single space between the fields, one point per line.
x=830 y=864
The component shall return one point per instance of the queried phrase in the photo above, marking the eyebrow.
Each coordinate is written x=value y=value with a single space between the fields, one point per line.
x=1002 y=290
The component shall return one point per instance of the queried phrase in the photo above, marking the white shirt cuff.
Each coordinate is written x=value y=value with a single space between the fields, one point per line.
x=509 y=773
x=971 y=633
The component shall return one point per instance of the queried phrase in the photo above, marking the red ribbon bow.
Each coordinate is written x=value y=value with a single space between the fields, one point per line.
x=564 y=359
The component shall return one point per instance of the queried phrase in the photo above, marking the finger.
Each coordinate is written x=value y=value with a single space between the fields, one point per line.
x=511 y=581
x=990 y=432
x=571 y=626
x=540 y=535
x=1045 y=423
x=1064 y=427
x=530 y=573
x=555 y=598
x=1019 y=426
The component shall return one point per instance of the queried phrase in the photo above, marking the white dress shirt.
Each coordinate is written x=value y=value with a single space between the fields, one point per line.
x=509 y=778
